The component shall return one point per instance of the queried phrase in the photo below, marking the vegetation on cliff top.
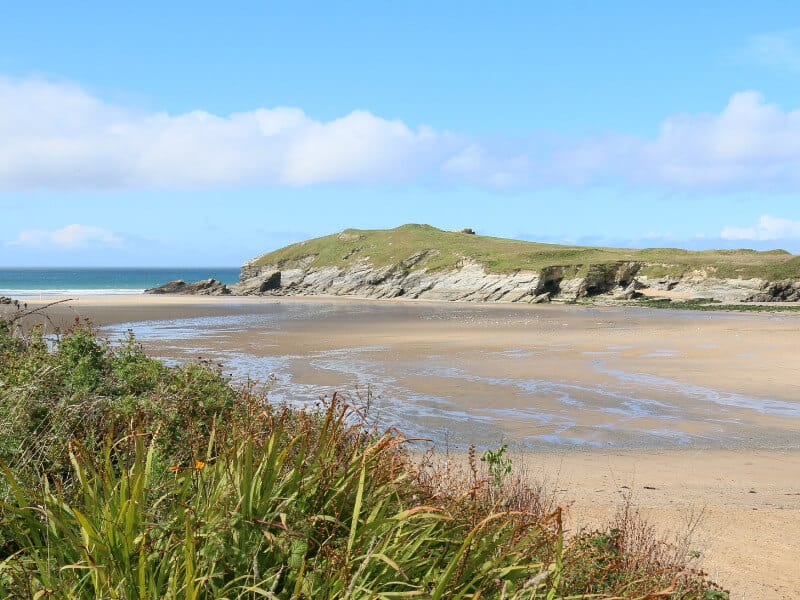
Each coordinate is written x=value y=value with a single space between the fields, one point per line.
x=437 y=249
x=124 y=478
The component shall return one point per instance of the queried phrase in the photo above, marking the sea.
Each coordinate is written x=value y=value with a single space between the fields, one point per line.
x=45 y=282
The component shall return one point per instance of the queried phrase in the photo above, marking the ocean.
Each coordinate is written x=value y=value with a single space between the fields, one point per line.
x=63 y=282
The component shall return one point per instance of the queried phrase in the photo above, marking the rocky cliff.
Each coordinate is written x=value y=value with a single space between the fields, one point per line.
x=470 y=282
x=420 y=261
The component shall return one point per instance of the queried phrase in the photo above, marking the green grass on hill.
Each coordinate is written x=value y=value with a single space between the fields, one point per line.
x=446 y=249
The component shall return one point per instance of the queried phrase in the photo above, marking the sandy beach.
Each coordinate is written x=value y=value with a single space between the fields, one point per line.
x=537 y=377
x=688 y=412
x=740 y=509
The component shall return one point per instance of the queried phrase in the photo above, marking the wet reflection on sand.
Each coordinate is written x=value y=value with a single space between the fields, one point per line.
x=553 y=376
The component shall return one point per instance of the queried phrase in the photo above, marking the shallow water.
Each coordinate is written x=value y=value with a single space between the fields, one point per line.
x=461 y=375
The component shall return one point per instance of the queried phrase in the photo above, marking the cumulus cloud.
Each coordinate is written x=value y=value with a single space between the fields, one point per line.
x=55 y=135
x=750 y=144
x=67 y=238
x=59 y=136
x=768 y=228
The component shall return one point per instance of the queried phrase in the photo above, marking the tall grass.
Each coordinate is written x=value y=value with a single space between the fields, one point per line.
x=174 y=489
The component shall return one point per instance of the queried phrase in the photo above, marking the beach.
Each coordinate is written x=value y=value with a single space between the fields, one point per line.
x=539 y=377
x=739 y=509
x=686 y=412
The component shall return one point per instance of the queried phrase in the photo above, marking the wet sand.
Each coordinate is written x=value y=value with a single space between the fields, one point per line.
x=536 y=377
x=703 y=407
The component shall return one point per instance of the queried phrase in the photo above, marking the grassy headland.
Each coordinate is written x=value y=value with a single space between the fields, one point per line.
x=122 y=478
x=443 y=250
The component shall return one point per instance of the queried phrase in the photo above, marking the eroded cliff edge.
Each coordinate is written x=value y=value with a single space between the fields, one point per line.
x=471 y=282
x=419 y=261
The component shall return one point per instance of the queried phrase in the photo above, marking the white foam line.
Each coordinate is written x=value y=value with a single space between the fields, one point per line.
x=72 y=293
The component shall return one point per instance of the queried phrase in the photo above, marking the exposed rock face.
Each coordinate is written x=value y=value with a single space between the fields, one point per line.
x=258 y=282
x=206 y=287
x=696 y=285
x=787 y=290
x=631 y=292
x=470 y=282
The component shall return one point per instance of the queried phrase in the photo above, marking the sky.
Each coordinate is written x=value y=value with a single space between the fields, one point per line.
x=205 y=133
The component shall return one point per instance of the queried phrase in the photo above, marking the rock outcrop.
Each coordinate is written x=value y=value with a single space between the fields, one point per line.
x=420 y=261
x=471 y=282
x=787 y=290
x=257 y=282
x=206 y=287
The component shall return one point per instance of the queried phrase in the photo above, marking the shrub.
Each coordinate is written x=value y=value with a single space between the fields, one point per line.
x=84 y=389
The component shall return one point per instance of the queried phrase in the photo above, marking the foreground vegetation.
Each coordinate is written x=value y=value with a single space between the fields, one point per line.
x=446 y=249
x=125 y=478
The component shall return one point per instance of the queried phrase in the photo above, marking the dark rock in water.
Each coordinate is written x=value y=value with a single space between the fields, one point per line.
x=205 y=287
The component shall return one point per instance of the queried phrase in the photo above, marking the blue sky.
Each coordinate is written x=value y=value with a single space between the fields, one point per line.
x=195 y=134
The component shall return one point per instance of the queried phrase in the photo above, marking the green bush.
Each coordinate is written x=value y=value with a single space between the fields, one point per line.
x=84 y=388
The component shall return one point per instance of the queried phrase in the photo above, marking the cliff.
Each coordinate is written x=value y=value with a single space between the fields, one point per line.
x=471 y=282
x=419 y=261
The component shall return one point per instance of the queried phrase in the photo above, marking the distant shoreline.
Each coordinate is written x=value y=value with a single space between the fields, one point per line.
x=55 y=294
x=105 y=295
x=25 y=283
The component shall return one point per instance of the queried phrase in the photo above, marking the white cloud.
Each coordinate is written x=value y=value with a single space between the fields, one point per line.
x=750 y=144
x=67 y=238
x=779 y=50
x=55 y=135
x=768 y=228
x=58 y=136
